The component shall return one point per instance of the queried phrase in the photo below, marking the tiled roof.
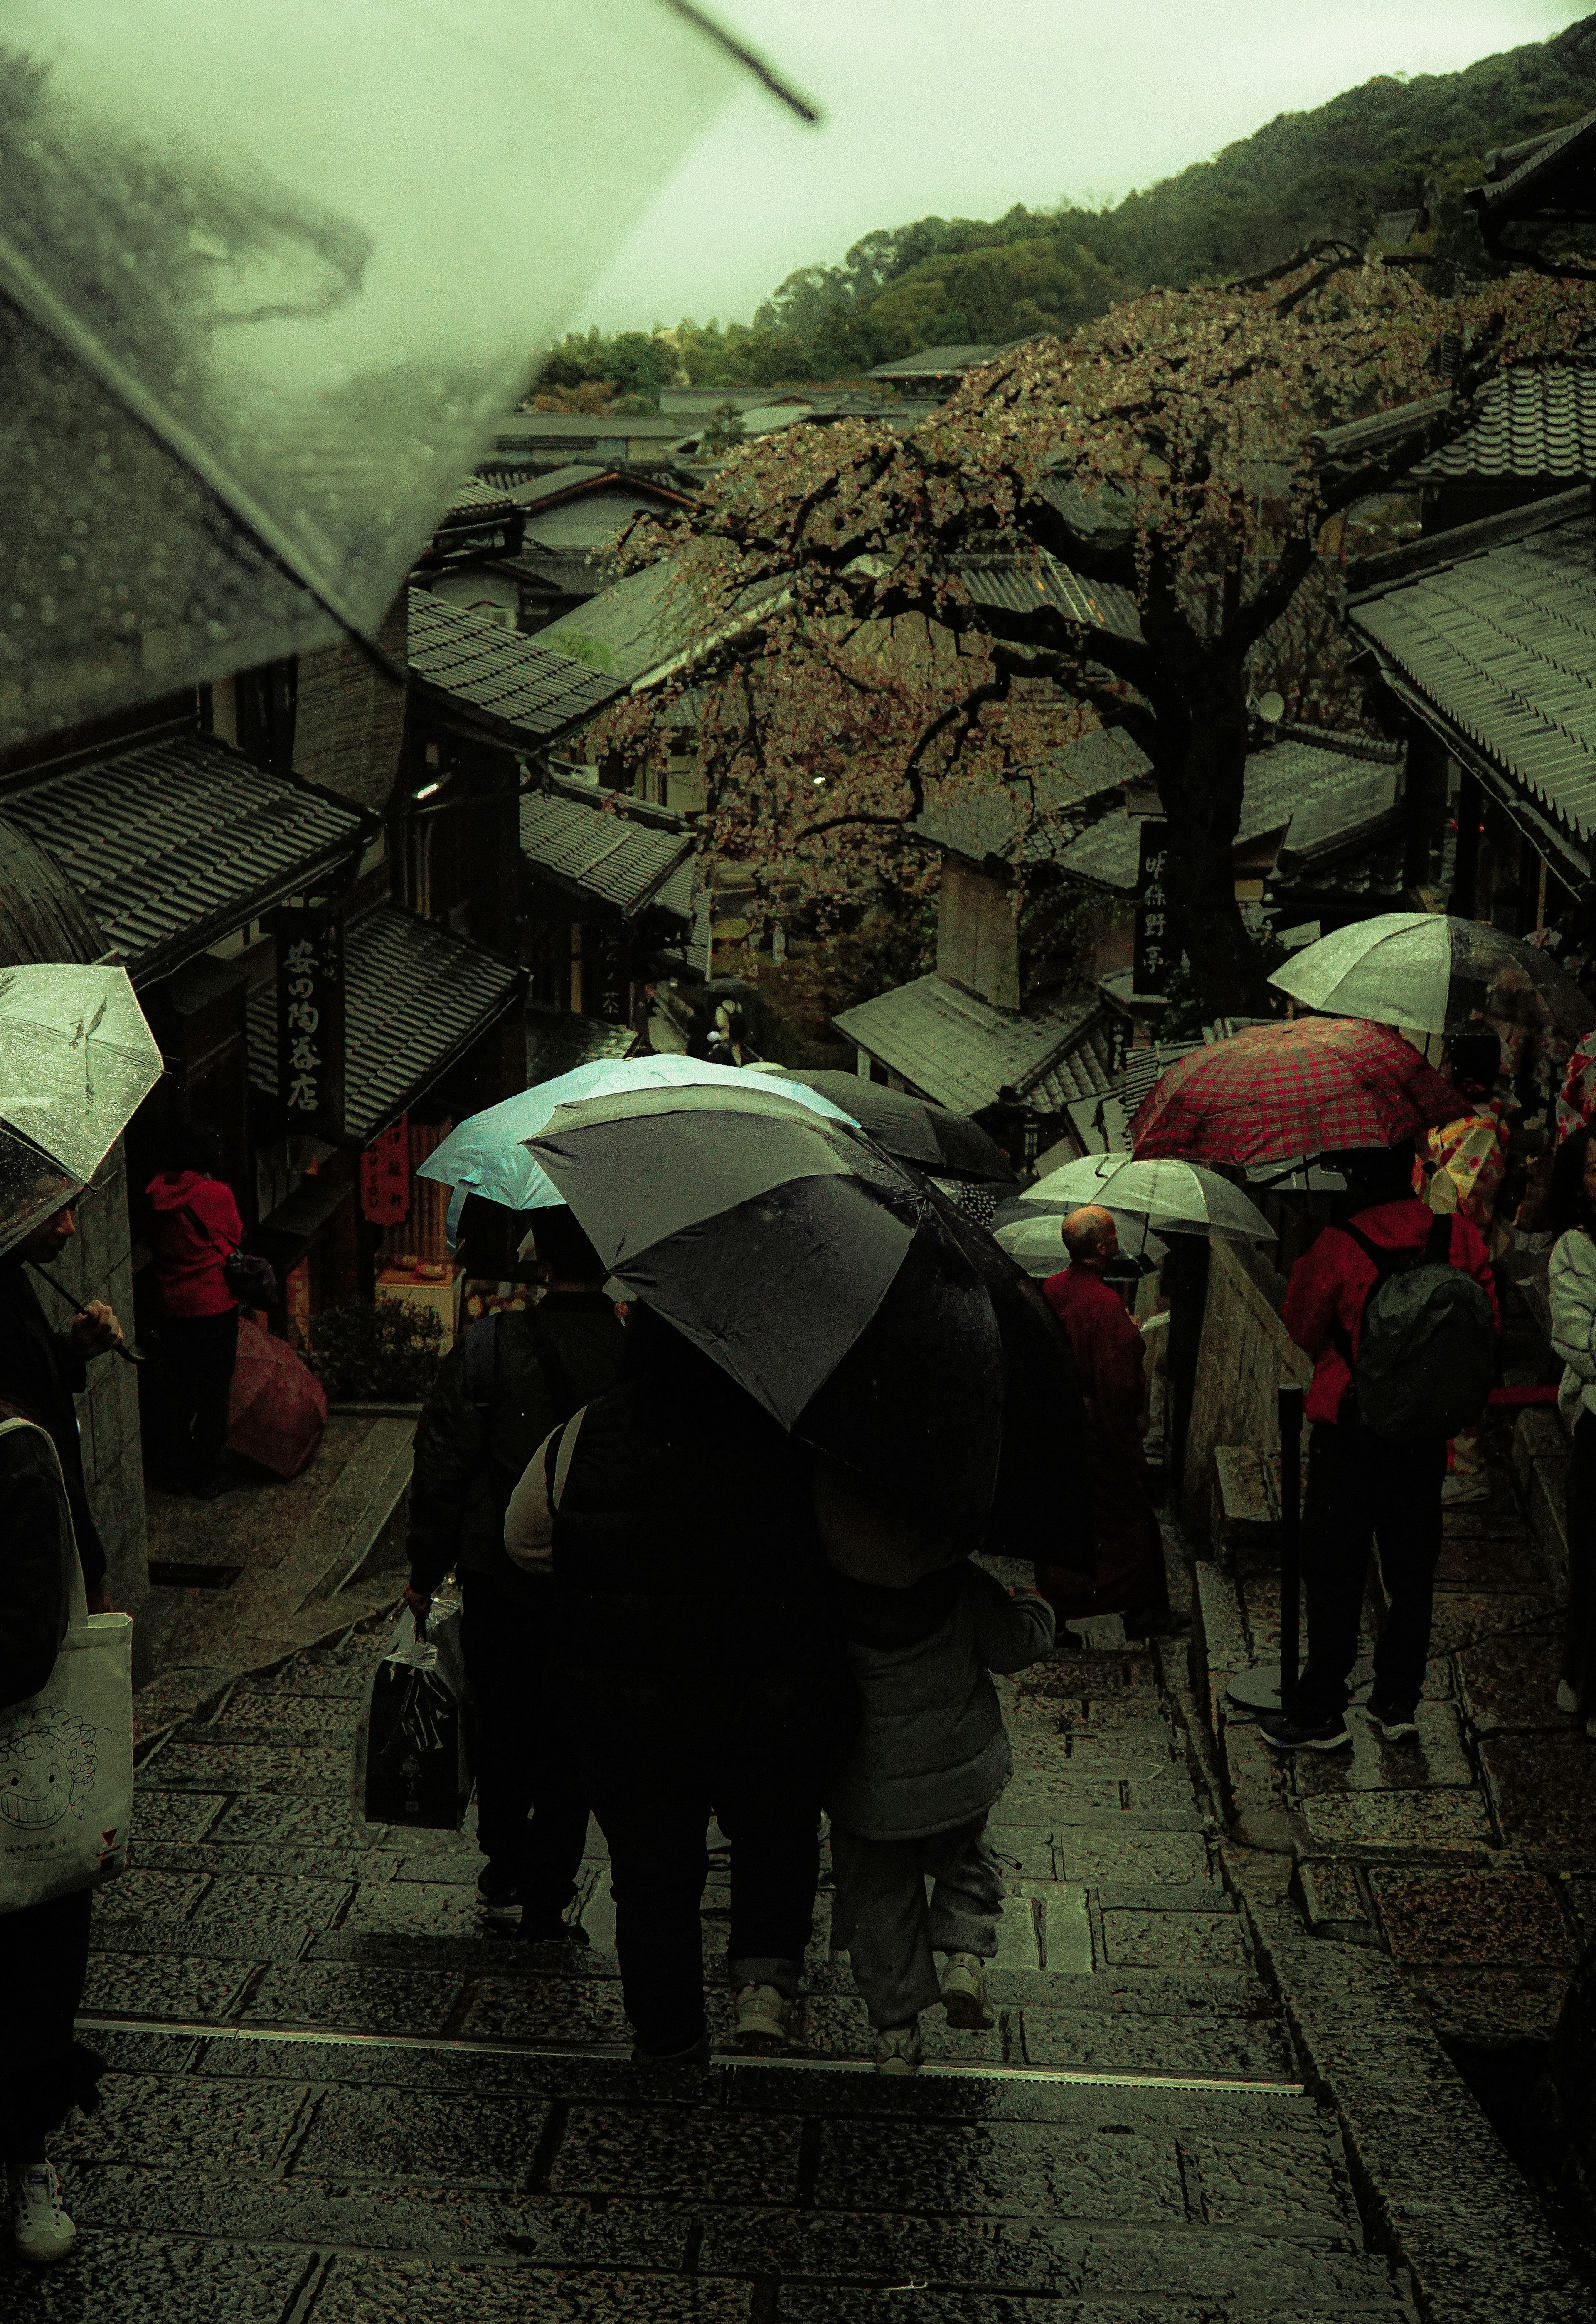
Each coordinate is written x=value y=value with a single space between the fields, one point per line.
x=1504 y=645
x=42 y=917
x=1549 y=156
x=1084 y=1071
x=576 y=835
x=677 y=895
x=998 y=818
x=1361 y=439
x=530 y=428
x=1020 y=587
x=512 y=681
x=174 y=845
x=1106 y=510
x=558 y=1041
x=939 y=362
x=643 y=621
x=952 y=1047
x=416 y=997
x=476 y=503
x=1324 y=798
x=1532 y=423
x=570 y=573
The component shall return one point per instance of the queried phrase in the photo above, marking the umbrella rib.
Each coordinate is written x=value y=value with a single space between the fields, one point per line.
x=28 y=287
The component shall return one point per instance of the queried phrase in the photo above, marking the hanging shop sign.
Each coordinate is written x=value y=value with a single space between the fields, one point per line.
x=311 y=1018
x=385 y=1176
x=1156 y=949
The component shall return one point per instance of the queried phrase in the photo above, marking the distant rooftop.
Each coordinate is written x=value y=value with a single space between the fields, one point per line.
x=531 y=690
x=942 y=363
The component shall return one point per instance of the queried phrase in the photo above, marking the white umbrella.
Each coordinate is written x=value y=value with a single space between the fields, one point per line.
x=1174 y=1197
x=1430 y=973
x=75 y=1061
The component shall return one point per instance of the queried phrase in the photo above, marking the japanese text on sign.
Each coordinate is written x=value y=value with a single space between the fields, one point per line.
x=1156 y=951
x=311 y=1020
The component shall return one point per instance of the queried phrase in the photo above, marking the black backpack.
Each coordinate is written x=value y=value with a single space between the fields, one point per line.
x=1427 y=1356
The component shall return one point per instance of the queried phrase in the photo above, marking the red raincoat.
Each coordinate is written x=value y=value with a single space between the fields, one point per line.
x=1109 y=1353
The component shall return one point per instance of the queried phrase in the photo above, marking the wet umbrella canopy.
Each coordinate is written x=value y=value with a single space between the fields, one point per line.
x=853 y=1302
x=271 y=277
x=945 y=1145
x=1173 y=1197
x=1272 y=1092
x=76 y=1060
x=1433 y=973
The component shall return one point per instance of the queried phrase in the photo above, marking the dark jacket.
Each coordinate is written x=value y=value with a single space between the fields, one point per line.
x=471 y=1447
x=41 y=1371
x=693 y=1605
x=35 y=1540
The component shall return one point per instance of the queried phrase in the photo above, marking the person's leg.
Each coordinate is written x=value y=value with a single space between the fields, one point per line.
x=213 y=1344
x=1407 y=1481
x=503 y=1647
x=557 y=1833
x=44 y=2072
x=880 y=1922
x=655 y=1822
x=967 y=1890
x=1337 y=1528
x=775 y=1872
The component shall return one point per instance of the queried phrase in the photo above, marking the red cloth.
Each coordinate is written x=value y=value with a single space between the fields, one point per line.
x=190 y=1252
x=1307 y=1085
x=1333 y=1279
x=1109 y=1353
x=277 y=1410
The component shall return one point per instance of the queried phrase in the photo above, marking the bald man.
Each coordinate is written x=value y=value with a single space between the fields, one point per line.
x=1108 y=1350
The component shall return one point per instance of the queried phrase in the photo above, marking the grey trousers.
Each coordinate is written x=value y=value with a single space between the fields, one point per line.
x=881 y=1920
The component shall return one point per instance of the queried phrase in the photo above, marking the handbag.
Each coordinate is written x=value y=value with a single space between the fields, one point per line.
x=412 y=1758
x=249 y=1279
x=66 y=1753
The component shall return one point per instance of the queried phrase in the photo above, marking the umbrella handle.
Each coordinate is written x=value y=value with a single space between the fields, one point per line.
x=130 y=1353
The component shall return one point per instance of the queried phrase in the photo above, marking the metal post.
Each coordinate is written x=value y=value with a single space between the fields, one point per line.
x=1288 y=1405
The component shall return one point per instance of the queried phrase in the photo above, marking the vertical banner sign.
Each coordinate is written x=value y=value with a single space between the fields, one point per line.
x=311 y=1018
x=385 y=1176
x=1155 y=947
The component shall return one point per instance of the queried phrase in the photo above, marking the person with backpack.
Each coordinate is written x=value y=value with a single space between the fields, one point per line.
x=505 y=1384
x=1398 y=1309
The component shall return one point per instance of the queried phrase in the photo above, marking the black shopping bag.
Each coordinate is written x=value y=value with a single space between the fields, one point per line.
x=414 y=1750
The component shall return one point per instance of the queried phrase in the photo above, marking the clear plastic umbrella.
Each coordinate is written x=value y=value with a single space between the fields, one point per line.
x=1174 y=1197
x=1430 y=973
x=1037 y=1243
x=487 y=1155
x=76 y=1059
x=272 y=275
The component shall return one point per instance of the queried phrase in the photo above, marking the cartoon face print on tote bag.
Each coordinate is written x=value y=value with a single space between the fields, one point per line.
x=47 y=1768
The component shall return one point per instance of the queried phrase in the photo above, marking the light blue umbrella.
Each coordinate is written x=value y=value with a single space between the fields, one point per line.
x=487 y=1154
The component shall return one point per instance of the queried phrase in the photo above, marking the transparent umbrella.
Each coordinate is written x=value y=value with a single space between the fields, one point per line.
x=75 y=1061
x=1174 y=1197
x=1433 y=973
x=269 y=277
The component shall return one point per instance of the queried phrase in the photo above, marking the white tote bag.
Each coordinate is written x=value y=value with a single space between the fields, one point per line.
x=66 y=1756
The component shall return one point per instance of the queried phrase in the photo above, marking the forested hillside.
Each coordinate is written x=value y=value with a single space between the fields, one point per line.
x=1333 y=171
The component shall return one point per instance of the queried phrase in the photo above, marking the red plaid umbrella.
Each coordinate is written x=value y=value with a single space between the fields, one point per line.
x=1312 y=1086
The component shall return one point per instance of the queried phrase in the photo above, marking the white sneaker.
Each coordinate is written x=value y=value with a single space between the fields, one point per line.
x=1568 y=1702
x=1461 y=1485
x=762 y=2017
x=43 y=2230
x=963 y=1992
x=898 y=2049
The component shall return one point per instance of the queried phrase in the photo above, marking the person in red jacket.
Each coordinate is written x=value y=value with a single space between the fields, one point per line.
x=1109 y=1353
x=1362 y=1487
x=196 y=1229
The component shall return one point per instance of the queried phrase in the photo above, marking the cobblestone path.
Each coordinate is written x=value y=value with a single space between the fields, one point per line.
x=333 y=2099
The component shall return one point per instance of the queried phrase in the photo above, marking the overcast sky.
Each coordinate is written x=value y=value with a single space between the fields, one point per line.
x=961 y=107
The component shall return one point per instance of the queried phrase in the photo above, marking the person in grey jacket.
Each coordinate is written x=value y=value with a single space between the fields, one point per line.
x=910 y=1797
x=1570 y=1277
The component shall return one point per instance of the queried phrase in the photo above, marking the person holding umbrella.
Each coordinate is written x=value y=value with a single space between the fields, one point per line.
x=1367 y=1485
x=1109 y=1353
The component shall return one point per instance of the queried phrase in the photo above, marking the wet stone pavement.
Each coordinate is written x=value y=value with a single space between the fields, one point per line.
x=334 y=2099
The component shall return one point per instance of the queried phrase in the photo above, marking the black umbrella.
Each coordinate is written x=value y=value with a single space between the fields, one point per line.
x=851 y=1299
x=944 y=1144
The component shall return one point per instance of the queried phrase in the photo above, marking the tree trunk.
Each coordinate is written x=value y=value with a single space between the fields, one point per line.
x=1200 y=784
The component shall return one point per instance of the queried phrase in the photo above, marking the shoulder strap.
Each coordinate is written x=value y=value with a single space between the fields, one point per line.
x=208 y=1232
x=77 y=1591
x=563 y=1453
